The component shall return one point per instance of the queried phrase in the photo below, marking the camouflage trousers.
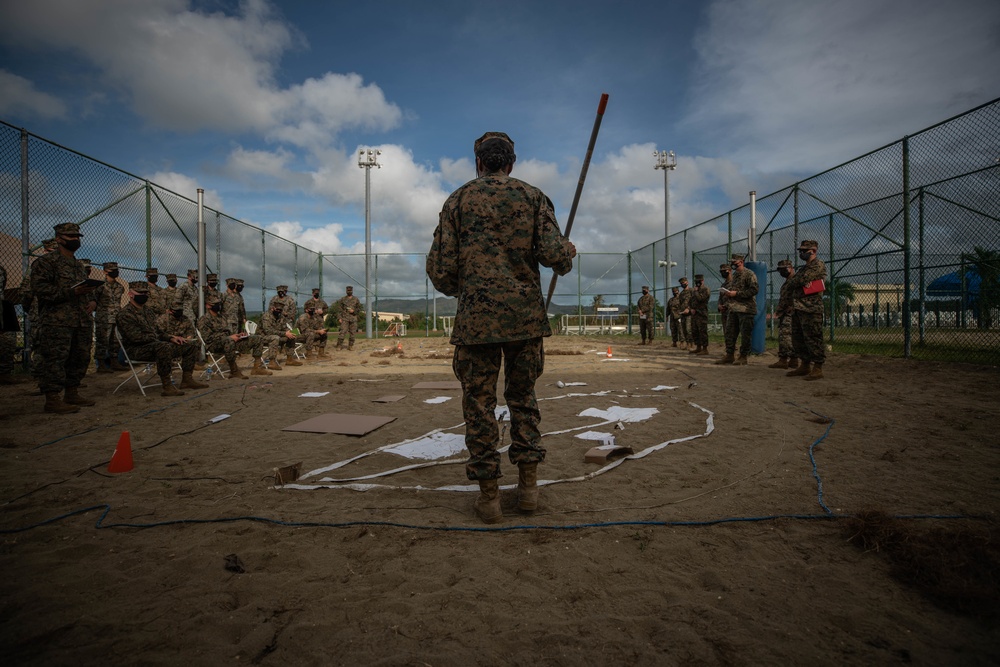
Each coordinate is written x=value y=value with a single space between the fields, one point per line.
x=105 y=342
x=807 y=337
x=348 y=325
x=253 y=345
x=686 y=329
x=739 y=326
x=675 y=328
x=785 y=348
x=62 y=357
x=312 y=338
x=164 y=353
x=478 y=369
x=699 y=329
x=8 y=346
x=646 y=328
x=274 y=344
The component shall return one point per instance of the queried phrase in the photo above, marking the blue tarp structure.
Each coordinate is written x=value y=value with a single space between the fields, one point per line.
x=949 y=286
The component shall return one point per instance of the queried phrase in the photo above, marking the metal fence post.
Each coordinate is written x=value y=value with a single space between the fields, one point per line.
x=833 y=287
x=907 y=325
x=920 y=296
x=149 y=225
x=628 y=297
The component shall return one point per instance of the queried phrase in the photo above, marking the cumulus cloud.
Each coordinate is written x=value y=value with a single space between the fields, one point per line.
x=185 y=69
x=187 y=187
x=807 y=86
x=20 y=98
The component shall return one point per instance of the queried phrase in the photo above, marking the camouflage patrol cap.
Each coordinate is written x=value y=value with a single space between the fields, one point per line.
x=139 y=286
x=315 y=289
x=809 y=245
x=171 y=276
x=675 y=290
x=282 y=288
x=213 y=276
x=110 y=266
x=724 y=267
x=192 y=273
x=239 y=281
x=492 y=135
x=699 y=276
x=152 y=271
x=784 y=263
x=230 y=281
x=68 y=229
x=683 y=280
x=737 y=257
x=645 y=287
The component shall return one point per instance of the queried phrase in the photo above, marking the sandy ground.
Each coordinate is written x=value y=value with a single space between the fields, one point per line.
x=727 y=547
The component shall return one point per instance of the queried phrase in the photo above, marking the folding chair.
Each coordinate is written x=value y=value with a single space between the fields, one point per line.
x=250 y=326
x=299 y=354
x=213 y=362
x=148 y=369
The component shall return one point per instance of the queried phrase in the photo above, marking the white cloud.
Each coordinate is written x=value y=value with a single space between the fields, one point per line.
x=187 y=70
x=187 y=187
x=20 y=98
x=807 y=85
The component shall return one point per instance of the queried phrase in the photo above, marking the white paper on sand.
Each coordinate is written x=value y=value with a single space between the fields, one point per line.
x=438 y=399
x=620 y=414
x=433 y=446
x=607 y=440
x=214 y=420
x=313 y=394
x=662 y=387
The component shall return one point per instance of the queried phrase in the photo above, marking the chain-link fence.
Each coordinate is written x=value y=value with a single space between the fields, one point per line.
x=915 y=275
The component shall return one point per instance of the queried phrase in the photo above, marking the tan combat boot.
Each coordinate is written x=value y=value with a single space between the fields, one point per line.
x=704 y=350
x=350 y=346
x=272 y=364
x=340 y=345
x=188 y=382
x=816 y=373
x=488 y=503
x=168 y=387
x=73 y=397
x=235 y=372
x=258 y=368
x=803 y=369
x=741 y=360
x=292 y=361
x=55 y=404
x=527 y=487
x=782 y=362
x=728 y=359
x=696 y=350
x=793 y=363
x=322 y=352
x=675 y=344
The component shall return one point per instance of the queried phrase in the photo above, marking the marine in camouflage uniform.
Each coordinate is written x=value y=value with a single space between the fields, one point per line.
x=492 y=235
x=145 y=339
x=645 y=306
x=674 y=309
x=189 y=295
x=684 y=312
x=807 y=314
x=109 y=302
x=233 y=308
x=170 y=291
x=698 y=303
x=725 y=272
x=786 y=353
x=29 y=305
x=157 y=302
x=742 y=306
x=221 y=339
x=8 y=337
x=316 y=303
x=289 y=308
x=275 y=333
x=311 y=327
x=64 y=312
x=347 y=316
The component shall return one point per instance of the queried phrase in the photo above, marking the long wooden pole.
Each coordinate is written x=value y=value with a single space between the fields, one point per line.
x=579 y=186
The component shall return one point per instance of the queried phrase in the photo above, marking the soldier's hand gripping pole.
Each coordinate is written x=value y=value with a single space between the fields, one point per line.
x=579 y=185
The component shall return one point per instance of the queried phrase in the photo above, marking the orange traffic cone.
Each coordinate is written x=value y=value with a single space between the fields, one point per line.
x=609 y=351
x=122 y=459
x=399 y=346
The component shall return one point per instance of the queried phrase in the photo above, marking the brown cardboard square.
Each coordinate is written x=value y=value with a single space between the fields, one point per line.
x=391 y=398
x=342 y=424
x=447 y=384
x=603 y=454
x=288 y=474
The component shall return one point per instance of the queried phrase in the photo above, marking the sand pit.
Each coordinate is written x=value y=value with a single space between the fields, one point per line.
x=725 y=543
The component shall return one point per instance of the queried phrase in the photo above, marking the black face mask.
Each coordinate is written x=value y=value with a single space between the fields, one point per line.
x=645 y=291
x=71 y=244
x=179 y=314
x=282 y=294
x=112 y=274
x=315 y=295
x=725 y=274
x=276 y=313
x=215 y=307
x=213 y=284
x=194 y=281
x=153 y=279
x=804 y=255
x=239 y=288
x=171 y=283
x=231 y=286
x=784 y=273
x=141 y=298
x=310 y=311
x=698 y=283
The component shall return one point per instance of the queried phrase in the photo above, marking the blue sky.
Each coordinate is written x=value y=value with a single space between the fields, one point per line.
x=264 y=104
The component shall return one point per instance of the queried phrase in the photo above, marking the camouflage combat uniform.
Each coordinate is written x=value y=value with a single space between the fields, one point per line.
x=742 y=309
x=807 y=313
x=145 y=340
x=784 y=312
x=492 y=235
x=289 y=309
x=189 y=296
x=233 y=309
x=63 y=352
x=109 y=302
x=316 y=303
x=698 y=303
x=8 y=337
x=725 y=272
x=674 y=308
x=646 y=304
x=684 y=303
x=348 y=308
x=273 y=330
x=308 y=325
x=217 y=334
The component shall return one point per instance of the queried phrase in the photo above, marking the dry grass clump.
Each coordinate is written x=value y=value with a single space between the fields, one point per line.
x=388 y=352
x=562 y=352
x=955 y=565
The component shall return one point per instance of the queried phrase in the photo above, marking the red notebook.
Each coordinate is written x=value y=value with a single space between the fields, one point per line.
x=813 y=287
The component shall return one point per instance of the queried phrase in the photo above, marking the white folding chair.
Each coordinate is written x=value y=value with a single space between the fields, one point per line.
x=148 y=369
x=299 y=354
x=212 y=366
x=250 y=326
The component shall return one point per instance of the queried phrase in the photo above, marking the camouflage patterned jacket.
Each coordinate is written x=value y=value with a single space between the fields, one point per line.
x=744 y=283
x=289 y=308
x=109 y=301
x=646 y=305
x=307 y=322
x=700 y=296
x=234 y=309
x=727 y=284
x=52 y=279
x=214 y=329
x=683 y=301
x=175 y=326
x=189 y=297
x=811 y=303
x=492 y=235
x=156 y=302
x=137 y=326
x=273 y=326
x=348 y=307
x=674 y=306
x=785 y=303
x=319 y=304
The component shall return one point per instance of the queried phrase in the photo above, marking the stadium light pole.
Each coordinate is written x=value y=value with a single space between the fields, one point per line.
x=368 y=158
x=667 y=161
